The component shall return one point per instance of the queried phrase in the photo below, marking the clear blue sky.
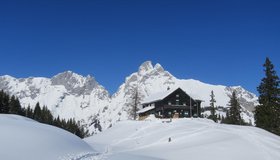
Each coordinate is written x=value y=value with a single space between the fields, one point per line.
x=218 y=42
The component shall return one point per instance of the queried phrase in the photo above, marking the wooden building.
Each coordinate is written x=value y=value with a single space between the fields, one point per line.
x=170 y=104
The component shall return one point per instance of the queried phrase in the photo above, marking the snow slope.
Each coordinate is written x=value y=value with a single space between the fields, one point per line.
x=193 y=139
x=23 y=138
x=70 y=95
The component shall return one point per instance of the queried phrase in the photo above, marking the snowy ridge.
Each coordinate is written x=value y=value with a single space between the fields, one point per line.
x=70 y=95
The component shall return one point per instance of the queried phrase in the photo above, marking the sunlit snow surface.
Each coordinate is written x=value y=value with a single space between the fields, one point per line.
x=24 y=139
x=193 y=139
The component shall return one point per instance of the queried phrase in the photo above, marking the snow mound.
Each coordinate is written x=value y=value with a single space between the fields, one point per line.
x=23 y=138
x=194 y=139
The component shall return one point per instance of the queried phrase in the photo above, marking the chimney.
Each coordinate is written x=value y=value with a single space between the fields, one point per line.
x=168 y=88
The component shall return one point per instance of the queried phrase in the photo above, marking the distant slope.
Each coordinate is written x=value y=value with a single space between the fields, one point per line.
x=194 y=139
x=70 y=95
x=23 y=138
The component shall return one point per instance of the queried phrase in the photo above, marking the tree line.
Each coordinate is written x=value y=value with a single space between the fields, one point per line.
x=267 y=113
x=11 y=105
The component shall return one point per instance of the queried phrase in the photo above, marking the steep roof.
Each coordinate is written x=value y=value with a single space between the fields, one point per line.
x=158 y=96
x=145 y=109
x=161 y=95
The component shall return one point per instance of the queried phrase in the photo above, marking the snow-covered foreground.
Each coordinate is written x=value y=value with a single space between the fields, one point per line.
x=24 y=139
x=194 y=139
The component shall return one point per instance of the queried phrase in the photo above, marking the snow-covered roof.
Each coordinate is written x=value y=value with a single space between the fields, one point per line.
x=161 y=95
x=158 y=96
x=145 y=109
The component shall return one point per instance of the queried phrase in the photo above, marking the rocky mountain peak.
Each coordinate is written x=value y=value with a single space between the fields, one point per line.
x=145 y=67
x=159 y=68
x=75 y=83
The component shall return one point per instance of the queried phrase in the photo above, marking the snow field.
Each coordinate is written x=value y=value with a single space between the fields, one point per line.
x=23 y=138
x=192 y=139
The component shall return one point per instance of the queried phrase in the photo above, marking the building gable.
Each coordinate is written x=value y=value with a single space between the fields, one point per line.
x=171 y=103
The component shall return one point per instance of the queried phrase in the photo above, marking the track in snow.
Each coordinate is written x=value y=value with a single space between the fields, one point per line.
x=84 y=156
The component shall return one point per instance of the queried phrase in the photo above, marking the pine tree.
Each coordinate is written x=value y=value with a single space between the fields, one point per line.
x=226 y=119
x=46 y=116
x=29 y=112
x=4 y=102
x=213 y=115
x=15 y=107
x=267 y=114
x=234 y=114
x=1 y=102
x=37 y=113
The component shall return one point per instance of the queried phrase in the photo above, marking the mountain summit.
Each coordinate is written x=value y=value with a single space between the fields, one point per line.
x=69 y=94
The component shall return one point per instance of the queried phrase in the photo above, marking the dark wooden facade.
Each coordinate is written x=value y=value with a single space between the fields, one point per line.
x=177 y=104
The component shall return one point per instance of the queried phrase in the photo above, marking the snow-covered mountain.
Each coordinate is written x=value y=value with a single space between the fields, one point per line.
x=66 y=94
x=71 y=95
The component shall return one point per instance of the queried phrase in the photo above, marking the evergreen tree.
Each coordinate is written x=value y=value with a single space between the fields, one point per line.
x=4 y=102
x=57 y=122
x=1 y=99
x=226 y=119
x=15 y=107
x=267 y=114
x=213 y=115
x=46 y=116
x=37 y=113
x=29 y=112
x=234 y=113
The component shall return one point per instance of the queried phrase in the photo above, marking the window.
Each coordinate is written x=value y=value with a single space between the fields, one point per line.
x=169 y=103
x=177 y=95
x=177 y=101
x=184 y=104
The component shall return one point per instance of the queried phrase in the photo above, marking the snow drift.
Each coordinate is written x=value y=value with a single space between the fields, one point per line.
x=26 y=139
